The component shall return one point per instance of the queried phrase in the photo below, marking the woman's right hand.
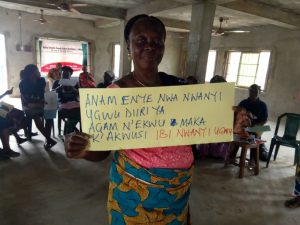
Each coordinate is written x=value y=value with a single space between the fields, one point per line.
x=76 y=145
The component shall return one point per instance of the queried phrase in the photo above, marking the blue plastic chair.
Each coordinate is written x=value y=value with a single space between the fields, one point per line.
x=289 y=138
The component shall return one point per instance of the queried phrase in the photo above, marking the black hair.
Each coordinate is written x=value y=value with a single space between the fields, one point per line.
x=191 y=80
x=255 y=86
x=67 y=68
x=136 y=18
x=28 y=71
x=66 y=71
x=217 y=79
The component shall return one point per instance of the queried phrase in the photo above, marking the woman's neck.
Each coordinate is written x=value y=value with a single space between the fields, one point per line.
x=147 y=79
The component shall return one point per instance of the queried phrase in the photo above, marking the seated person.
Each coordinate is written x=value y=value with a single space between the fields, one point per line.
x=68 y=98
x=109 y=76
x=191 y=80
x=52 y=76
x=86 y=79
x=6 y=127
x=259 y=110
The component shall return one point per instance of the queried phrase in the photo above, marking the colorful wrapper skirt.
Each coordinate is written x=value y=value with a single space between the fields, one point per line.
x=147 y=196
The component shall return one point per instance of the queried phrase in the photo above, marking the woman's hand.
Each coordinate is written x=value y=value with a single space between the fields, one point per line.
x=9 y=91
x=76 y=145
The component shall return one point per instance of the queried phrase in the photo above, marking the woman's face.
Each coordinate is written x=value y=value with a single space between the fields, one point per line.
x=146 y=44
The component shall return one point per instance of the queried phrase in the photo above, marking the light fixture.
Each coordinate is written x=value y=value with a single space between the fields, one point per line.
x=20 y=47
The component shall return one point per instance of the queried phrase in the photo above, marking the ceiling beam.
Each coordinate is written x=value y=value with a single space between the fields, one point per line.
x=106 y=23
x=94 y=10
x=176 y=24
x=219 y=2
x=155 y=6
x=274 y=15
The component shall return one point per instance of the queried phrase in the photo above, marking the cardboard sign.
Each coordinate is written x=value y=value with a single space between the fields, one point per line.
x=127 y=118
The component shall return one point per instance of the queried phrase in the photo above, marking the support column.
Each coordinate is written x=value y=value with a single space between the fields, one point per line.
x=199 y=39
x=125 y=63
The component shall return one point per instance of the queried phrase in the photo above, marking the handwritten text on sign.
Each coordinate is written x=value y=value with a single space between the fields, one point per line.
x=126 y=118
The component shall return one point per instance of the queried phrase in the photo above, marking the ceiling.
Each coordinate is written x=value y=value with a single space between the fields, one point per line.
x=174 y=13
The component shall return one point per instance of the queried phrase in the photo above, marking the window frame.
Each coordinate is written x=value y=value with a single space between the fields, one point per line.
x=215 y=64
x=245 y=51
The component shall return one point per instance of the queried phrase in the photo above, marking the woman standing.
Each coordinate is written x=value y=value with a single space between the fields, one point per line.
x=32 y=88
x=147 y=185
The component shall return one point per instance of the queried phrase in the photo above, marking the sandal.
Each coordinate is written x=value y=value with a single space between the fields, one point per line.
x=293 y=203
x=49 y=144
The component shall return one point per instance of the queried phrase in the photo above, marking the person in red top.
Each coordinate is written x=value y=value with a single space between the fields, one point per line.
x=86 y=79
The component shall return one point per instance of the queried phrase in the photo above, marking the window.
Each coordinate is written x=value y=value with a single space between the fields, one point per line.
x=247 y=68
x=210 y=67
x=3 y=69
x=117 y=54
x=71 y=53
x=116 y=62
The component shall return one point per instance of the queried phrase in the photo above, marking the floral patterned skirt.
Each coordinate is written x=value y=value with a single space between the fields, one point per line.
x=147 y=196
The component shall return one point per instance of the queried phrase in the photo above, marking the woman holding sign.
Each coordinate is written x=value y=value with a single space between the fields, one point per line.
x=147 y=185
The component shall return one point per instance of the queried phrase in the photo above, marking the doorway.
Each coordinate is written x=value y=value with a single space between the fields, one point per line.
x=3 y=69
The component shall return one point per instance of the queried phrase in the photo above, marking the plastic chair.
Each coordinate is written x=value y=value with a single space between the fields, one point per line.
x=289 y=137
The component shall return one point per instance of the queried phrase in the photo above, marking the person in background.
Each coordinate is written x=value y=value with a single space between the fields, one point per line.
x=147 y=185
x=59 y=68
x=28 y=132
x=52 y=76
x=259 y=110
x=191 y=80
x=109 y=76
x=295 y=202
x=217 y=79
x=86 y=79
x=32 y=88
x=68 y=99
x=5 y=125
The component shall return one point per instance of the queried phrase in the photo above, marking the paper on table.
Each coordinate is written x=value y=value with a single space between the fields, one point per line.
x=258 y=128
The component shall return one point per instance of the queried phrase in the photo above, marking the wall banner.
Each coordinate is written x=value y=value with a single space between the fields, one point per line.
x=67 y=52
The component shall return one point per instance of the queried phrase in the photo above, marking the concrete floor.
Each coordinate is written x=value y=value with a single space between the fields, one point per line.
x=46 y=188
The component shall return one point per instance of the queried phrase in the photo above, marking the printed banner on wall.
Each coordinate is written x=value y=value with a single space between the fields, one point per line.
x=67 y=52
x=125 y=118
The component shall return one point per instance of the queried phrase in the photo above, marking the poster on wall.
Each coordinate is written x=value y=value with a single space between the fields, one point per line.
x=67 y=52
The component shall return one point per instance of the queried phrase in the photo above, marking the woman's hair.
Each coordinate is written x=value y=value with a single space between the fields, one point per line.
x=255 y=87
x=217 y=79
x=191 y=80
x=136 y=18
x=66 y=72
x=29 y=70
x=52 y=73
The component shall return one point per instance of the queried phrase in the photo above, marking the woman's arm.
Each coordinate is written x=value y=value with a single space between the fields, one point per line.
x=8 y=92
